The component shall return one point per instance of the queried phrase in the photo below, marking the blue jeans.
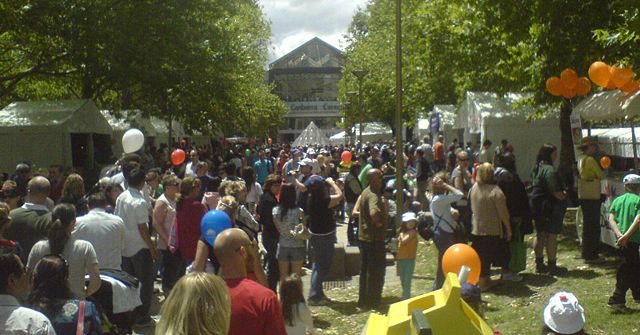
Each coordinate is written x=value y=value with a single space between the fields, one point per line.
x=321 y=253
x=405 y=271
x=141 y=266
x=270 y=244
x=372 y=269
x=443 y=240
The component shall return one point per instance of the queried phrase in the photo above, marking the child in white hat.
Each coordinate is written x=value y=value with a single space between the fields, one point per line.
x=624 y=221
x=563 y=315
x=407 y=248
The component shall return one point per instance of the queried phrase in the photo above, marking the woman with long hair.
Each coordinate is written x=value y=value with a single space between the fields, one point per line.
x=322 y=226
x=164 y=212
x=296 y=313
x=199 y=304
x=73 y=193
x=270 y=233
x=79 y=254
x=189 y=213
x=490 y=222
x=547 y=207
x=254 y=190
x=286 y=216
x=52 y=297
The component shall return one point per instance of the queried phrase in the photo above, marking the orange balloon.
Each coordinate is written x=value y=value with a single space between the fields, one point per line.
x=600 y=72
x=554 y=86
x=458 y=255
x=605 y=162
x=569 y=78
x=631 y=87
x=610 y=85
x=584 y=86
x=621 y=76
x=568 y=93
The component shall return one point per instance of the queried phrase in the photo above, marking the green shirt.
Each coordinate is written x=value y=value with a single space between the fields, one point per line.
x=625 y=208
x=546 y=178
x=367 y=231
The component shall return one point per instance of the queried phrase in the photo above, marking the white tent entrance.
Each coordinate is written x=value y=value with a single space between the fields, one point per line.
x=312 y=135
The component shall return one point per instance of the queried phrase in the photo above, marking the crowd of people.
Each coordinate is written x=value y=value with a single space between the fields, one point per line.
x=142 y=218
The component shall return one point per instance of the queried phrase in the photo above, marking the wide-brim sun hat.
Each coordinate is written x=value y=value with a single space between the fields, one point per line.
x=587 y=141
x=409 y=216
x=631 y=179
x=563 y=314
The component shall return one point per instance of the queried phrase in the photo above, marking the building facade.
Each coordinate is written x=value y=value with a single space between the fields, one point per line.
x=306 y=79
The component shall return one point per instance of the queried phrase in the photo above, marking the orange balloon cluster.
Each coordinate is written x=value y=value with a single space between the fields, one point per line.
x=611 y=77
x=568 y=85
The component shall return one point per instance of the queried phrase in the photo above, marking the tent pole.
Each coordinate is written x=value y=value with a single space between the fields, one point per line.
x=635 y=150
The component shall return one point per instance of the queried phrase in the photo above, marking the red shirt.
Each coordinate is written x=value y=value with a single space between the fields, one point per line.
x=254 y=309
x=438 y=151
x=188 y=217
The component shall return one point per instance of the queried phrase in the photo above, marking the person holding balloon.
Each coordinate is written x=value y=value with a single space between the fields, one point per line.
x=444 y=223
x=189 y=213
x=590 y=175
x=490 y=222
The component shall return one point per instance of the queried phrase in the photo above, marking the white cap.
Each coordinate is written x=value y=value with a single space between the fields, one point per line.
x=409 y=216
x=563 y=314
x=306 y=161
x=631 y=179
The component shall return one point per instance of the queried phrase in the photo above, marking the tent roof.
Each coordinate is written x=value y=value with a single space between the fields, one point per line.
x=479 y=105
x=130 y=119
x=162 y=127
x=608 y=106
x=74 y=116
x=312 y=135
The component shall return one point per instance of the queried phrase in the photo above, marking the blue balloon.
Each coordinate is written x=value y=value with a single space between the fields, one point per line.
x=212 y=223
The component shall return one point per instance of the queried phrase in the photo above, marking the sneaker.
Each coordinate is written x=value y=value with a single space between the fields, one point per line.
x=618 y=307
x=510 y=276
x=541 y=268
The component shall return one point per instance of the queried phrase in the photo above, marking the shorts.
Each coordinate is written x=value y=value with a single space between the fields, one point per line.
x=291 y=254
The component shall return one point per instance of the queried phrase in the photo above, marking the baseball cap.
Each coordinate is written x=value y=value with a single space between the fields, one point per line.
x=314 y=181
x=631 y=179
x=305 y=162
x=311 y=151
x=296 y=152
x=409 y=216
x=563 y=314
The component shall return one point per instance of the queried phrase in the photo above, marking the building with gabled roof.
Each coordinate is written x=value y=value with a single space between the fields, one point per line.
x=306 y=79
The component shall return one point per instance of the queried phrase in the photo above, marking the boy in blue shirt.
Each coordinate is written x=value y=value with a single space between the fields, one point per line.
x=624 y=219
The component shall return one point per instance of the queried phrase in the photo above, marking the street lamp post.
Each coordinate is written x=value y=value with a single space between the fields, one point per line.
x=360 y=73
x=398 y=116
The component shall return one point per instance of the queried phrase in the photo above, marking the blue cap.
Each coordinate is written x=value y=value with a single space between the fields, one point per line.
x=314 y=181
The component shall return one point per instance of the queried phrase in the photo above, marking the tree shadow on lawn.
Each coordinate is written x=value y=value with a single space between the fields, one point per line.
x=537 y=280
x=513 y=290
x=350 y=307
x=319 y=323
x=581 y=274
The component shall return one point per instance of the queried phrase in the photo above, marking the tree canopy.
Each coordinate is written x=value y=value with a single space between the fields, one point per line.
x=454 y=46
x=198 y=61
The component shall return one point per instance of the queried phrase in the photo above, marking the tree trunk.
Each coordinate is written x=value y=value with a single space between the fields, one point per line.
x=567 y=156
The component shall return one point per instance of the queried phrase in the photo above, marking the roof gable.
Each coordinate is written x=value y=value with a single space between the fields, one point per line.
x=313 y=53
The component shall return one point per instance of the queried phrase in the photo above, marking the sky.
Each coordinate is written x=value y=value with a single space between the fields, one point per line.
x=294 y=22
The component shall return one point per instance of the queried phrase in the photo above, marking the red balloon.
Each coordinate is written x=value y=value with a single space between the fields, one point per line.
x=346 y=156
x=178 y=156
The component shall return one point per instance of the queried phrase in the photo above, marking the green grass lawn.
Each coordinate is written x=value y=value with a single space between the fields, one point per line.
x=512 y=308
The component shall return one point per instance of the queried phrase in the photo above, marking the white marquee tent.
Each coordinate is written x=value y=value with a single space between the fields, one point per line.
x=52 y=132
x=129 y=119
x=371 y=132
x=312 y=135
x=485 y=115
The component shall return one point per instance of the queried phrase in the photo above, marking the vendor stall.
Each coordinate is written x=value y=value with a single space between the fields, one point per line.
x=446 y=116
x=372 y=132
x=609 y=111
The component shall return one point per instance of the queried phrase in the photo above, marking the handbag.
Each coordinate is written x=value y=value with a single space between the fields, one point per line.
x=518 y=261
x=300 y=231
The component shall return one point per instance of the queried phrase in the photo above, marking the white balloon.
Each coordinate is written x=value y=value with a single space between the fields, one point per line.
x=132 y=140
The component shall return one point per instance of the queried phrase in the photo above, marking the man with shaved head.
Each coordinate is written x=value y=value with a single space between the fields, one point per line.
x=31 y=222
x=374 y=214
x=254 y=308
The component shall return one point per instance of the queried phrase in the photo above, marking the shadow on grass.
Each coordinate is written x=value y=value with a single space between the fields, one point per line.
x=513 y=290
x=581 y=274
x=537 y=280
x=350 y=307
x=319 y=323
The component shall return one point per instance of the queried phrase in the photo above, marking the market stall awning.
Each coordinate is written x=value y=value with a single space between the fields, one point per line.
x=602 y=106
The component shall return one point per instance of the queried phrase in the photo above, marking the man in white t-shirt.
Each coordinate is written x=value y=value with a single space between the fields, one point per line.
x=192 y=166
x=103 y=230
x=14 y=319
x=138 y=252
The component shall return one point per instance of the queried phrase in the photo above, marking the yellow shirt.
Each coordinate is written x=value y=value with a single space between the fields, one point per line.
x=590 y=176
x=408 y=249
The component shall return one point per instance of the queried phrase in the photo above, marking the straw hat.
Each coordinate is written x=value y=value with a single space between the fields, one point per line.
x=585 y=142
